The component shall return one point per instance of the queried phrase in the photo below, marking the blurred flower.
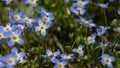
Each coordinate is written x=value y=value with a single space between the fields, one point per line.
x=19 y=56
x=9 y=60
x=102 y=5
x=111 y=0
x=102 y=30
x=66 y=57
x=42 y=27
x=107 y=60
x=117 y=29
x=103 y=45
x=1 y=65
x=15 y=38
x=79 y=50
x=7 y=1
x=32 y=2
x=7 y=30
x=46 y=16
x=66 y=1
x=91 y=39
x=91 y=24
x=118 y=12
x=60 y=64
x=52 y=55
x=83 y=21
x=20 y=27
x=16 y=17
x=77 y=10
x=81 y=3
x=28 y=21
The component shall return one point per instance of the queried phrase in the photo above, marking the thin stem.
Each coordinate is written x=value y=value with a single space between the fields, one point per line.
x=105 y=17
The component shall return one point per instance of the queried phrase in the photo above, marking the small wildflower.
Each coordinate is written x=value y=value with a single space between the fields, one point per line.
x=102 y=5
x=107 y=60
x=52 y=55
x=66 y=57
x=60 y=64
x=91 y=39
x=79 y=50
x=32 y=2
x=15 y=38
x=103 y=45
x=16 y=17
x=8 y=1
x=42 y=27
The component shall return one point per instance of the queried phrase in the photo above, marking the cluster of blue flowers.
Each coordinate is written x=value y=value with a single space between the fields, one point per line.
x=64 y=58
x=13 y=31
x=12 y=59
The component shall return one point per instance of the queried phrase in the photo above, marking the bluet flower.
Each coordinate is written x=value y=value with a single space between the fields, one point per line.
x=107 y=60
x=42 y=27
x=66 y=57
x=79 y=50
x=32 y=2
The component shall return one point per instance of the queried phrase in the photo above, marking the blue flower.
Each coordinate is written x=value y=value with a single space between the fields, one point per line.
x=32 y=2
x=43 y=12
x=117 y=29
x=66 y=57
x=1 y=64
x=77 y=10
x=46 y=16
x=60 y=64
x=8 y=1
x=118 y=12
x=42 y=27
x=102 y=5
x=102 y=30
x=20 y=27
x=111 y=0
x=91 y=24
x=15 y=38
x=107 y=60
x=9 y=60
x=103 y=45
x=81 y=3
x=83 y=21
x=7 y=30
x=78 y=50
x=28 y=21
x=52 y=55
x=19 y=56
x=91 y=39
x=66 y=1
x=16 y=17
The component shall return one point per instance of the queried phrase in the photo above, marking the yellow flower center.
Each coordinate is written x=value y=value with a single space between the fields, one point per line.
x=60 y=65
x=45 y=19
x=91 y=25
x=17 y=56
x=51 y=55
x=119 y=30
x=1 y=35
x=16 y=17
x=20 y=26
x=7 y=28
x=80 y=3
x=42 y=27
x=84 y=21
x=10 y=61
x=15 y=38
x=27 y=20
x=67 y=57
x=108 y=61
x=32 y=1
x=79 y=50
x=102 y=5
x=90 y=39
